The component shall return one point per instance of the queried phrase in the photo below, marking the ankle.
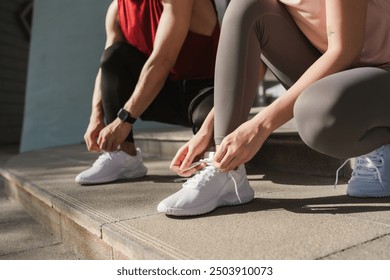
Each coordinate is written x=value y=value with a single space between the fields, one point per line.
x=129 y=148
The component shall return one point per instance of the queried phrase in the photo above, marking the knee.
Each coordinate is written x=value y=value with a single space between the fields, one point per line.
x=199 y=111
x=113 y=54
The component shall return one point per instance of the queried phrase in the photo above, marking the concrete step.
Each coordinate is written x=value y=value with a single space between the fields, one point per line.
x=120 y=221
x=22 y=238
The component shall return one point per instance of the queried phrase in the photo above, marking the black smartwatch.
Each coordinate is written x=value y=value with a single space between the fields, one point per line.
x=125 y=116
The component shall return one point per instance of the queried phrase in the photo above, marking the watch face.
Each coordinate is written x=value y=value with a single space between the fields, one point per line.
x=122 y=114
x=125 y=116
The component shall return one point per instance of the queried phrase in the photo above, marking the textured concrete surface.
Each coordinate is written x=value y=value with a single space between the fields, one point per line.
x=293 y=216
x=22 y=238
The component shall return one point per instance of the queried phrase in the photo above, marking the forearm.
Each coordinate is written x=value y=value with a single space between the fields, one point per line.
x=97 y=105
x=150 y=83
x=206 y=131
x=208 y=124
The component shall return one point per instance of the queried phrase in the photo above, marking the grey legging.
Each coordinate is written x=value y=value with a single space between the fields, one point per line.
x=343 y=115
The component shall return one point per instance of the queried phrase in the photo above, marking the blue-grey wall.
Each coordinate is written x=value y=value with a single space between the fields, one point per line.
x=67 y=40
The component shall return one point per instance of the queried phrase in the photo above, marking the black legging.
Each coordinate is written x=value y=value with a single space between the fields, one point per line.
x=343 y=115
x=184 y=103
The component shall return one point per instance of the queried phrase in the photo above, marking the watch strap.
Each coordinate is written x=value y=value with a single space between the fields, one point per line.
x=125 y=116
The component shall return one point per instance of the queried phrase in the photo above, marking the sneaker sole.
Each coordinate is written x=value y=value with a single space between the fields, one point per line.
x=368 y=195
x=123 y=176
x=229 y=199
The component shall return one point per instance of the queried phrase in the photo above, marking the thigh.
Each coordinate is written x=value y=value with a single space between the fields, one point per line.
x=167 y=107
x=120 y=67
x=178 y=101
x=252 y=31
x=346 y=114
x=284 y=48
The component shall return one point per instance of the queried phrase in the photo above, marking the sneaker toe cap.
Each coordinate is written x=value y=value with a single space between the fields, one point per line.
x=162 y=207
x=80 y=178
x=178 y=201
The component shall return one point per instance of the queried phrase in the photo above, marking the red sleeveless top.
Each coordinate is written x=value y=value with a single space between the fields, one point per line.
x=139 y=21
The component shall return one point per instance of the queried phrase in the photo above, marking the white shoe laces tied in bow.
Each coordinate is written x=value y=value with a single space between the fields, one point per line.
x=367 y=166
x=202 y=176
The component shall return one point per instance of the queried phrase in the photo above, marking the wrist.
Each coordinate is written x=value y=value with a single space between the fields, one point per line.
x=205 y=136
x=263 y=126
x=121 y=124
x=96 y=116
x=206 y=131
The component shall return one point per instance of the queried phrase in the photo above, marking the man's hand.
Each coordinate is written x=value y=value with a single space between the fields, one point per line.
x=113 y=135
x=91 y=135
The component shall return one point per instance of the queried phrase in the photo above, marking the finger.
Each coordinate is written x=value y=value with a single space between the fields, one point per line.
x=178 y=159
x=220 y=153
x=94 y=147
x=190 y=171
x=102 y=143
x=175 y=169
x=193 y=166
x=111 y=147
x=189 y=158
x=87 y=143
x=93 y=144
x=99 y=140
x=225 y=160
x=87 y=139
x=231 y=165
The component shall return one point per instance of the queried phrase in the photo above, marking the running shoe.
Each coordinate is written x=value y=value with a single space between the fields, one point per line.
x=208 y=189
x=371 y=174
x=112 y=166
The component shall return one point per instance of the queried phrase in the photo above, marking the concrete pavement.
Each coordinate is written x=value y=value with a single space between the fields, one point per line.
x=21 y=237
x=293 y=216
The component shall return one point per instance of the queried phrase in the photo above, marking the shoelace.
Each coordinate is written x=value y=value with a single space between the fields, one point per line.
x=366 y=166
x=204 y=174
x=105 y=157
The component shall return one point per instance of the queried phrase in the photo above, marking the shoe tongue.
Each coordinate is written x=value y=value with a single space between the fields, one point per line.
x=211 y=155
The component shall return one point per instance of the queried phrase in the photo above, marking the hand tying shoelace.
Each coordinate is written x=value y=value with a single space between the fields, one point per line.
x=202 y=176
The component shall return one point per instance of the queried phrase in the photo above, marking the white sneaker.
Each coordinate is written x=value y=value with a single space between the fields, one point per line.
x=371 y=175
x=207 y=190
x=112 y=166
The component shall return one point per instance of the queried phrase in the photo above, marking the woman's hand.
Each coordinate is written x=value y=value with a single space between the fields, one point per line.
x=192 y=151
x=239 y=146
